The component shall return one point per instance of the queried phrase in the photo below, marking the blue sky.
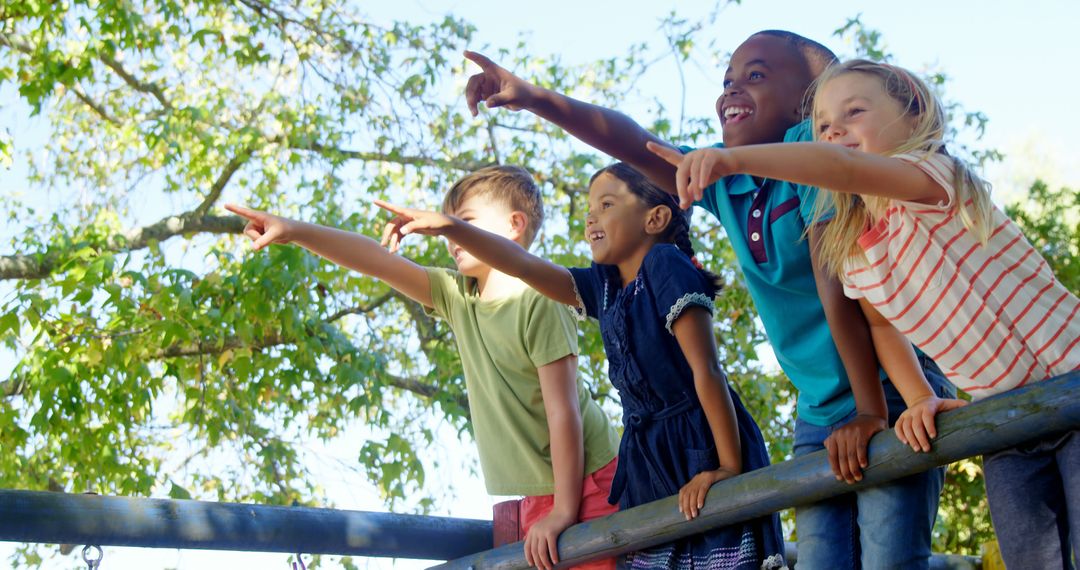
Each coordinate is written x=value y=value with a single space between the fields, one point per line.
x=1013 y=61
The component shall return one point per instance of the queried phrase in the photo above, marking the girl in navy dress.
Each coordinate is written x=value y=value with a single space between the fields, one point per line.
x=684 y=428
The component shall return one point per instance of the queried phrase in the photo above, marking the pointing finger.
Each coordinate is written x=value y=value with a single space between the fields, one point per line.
x=399 y=210
x=481 y=60
x=672 y=156
x=243 y=212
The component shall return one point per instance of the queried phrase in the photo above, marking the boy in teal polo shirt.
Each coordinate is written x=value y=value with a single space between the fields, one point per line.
x=842 y=401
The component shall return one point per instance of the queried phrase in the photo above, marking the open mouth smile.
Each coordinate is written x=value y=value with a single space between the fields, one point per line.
x=736 y=114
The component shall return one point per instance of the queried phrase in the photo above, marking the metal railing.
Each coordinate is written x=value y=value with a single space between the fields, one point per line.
x=998 y=422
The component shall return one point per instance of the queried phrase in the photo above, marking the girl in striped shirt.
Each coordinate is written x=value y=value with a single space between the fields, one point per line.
x=913 y=235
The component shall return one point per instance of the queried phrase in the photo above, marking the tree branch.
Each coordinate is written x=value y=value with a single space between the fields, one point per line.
x=461 y=165
x=222 y=180
x=97 y=108
x=378 y=302
x=218 y=346
x=131 y=80
x=41 y=265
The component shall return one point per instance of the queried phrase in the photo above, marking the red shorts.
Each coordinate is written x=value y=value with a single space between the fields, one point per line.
x=594 y=494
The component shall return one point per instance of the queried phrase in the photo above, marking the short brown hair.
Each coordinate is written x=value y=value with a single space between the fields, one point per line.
x=511 y=186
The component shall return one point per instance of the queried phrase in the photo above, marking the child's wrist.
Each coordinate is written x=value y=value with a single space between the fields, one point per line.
x=564 y=512
x=921 y=399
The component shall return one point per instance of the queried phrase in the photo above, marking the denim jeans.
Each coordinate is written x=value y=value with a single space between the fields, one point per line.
x=884 y=527
x=1034 y=492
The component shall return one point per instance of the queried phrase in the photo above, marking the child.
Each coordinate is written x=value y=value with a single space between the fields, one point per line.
x=538 y=431
x=842 y=400
x=684 y=428
x=915 y=238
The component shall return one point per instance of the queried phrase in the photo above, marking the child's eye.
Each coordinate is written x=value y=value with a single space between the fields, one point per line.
x=823 y=127
x=755 y=75
x=727 y=83
x=605 y=205
x=854 y=111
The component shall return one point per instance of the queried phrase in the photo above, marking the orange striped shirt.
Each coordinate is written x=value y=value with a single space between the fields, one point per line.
x=993 y=317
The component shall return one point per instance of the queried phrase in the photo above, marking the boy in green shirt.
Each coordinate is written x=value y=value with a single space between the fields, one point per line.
x=538 y=432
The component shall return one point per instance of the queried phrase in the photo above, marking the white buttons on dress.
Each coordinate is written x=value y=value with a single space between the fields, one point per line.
x=754 y=236
x=756 y=213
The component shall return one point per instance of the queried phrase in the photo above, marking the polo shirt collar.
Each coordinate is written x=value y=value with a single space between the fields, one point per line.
x=741 y=184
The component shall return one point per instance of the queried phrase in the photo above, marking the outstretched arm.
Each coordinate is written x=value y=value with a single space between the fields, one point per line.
x=823 y=165
x=916 y=426
x=501 y=254
x=693 y=331
x=606 y=130
x=347 y=249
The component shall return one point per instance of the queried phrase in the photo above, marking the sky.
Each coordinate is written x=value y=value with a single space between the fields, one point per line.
x=1013 y=61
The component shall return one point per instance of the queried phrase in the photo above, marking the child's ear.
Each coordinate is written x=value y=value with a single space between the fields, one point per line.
x=657 y=219
x=519 y=223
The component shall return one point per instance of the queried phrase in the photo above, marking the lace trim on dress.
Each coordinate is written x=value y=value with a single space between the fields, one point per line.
x=577 y=310
x=774 y=562
x=686 y=300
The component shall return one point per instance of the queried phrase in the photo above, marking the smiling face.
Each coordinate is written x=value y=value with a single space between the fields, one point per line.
x=763 y=91
x=615 y=224
x=487 y=215
x=853 y=109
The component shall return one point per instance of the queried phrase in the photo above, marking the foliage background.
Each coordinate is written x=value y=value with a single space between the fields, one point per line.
x=157 y=356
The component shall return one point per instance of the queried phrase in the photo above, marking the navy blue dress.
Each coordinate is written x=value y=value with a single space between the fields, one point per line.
x=666 y=438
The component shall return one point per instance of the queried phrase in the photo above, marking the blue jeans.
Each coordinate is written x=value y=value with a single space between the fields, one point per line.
x=888 y=526
x=1034 y=492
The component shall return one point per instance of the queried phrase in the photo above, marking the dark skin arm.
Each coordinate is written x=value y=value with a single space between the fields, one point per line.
x=851 y=333
x=606 y=130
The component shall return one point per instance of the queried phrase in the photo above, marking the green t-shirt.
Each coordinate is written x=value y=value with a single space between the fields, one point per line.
x=502 y=342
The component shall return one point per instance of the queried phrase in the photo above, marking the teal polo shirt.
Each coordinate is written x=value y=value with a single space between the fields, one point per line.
x=765 y=226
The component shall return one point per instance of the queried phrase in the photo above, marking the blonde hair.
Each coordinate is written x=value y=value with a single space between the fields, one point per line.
x=510 y=186
x=852 y=213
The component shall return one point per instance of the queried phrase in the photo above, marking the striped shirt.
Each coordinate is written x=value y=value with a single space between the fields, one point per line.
x=993 y=317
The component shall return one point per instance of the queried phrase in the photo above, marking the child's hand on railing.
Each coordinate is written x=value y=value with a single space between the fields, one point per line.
x=916 y=426
x=264 y=228
x=542 y=541
x=847 y=446
x=692 y=495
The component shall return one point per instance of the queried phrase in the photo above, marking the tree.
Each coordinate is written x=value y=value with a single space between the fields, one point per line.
x=138 y=319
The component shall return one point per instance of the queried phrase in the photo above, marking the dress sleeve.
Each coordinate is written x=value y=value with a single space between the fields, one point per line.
x=588 y=287
x=940 y=168
x=676 y=284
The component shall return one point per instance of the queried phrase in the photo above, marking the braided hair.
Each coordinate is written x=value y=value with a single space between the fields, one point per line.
x=678 y=229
